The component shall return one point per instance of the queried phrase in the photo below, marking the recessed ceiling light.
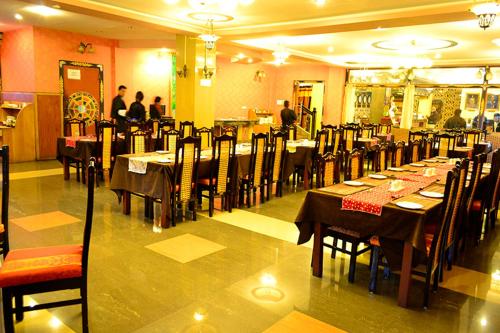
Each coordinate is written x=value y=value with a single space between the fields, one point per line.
x=240 y=56
x=331 y=49
x=413 y=44
x=43 y=10
x=249 y=60
x=246 y=2
x=56 y=6
x=438 y=56
x=496 y=41
x=214 y=17
x=319 y=2
x=171 y=2
x=18 y=16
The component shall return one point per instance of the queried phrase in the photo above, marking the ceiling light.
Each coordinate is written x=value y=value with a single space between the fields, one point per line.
x=486 y=13
x=240 y=56
x=171 y=2
x=414 y=45
x=280 y=55
x=320 y=2
x=209 y=38
x=246 y=2
x=484 y=322
x=438 y=56
x=42 y=10
x=496 y=41
x=249 y=60
x=214 y=17
x=331 y=49
x=18 y=16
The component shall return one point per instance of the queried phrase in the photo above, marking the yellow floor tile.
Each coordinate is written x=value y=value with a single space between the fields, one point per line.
x=37 y=173
x=473 y=283
x=44 y=221
x=185 y=248
x=297 y=322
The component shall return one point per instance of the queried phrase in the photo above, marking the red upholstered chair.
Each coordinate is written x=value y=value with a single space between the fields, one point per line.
x=40 y=270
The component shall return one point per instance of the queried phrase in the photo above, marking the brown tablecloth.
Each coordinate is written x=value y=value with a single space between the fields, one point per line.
x=83 y=151
x=301 y=157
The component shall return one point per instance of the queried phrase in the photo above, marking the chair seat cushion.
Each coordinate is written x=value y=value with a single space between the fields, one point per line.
x=34 y=265
x=476 y=205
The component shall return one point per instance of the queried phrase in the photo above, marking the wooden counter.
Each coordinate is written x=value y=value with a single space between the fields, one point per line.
x=21 y=138
x=245 y=127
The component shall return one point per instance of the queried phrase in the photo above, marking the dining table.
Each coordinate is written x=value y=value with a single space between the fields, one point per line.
x=76 y=148
x=371 y=208
x=151 y=174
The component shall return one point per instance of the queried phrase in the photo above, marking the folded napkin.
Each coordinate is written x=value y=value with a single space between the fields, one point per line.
x=140 y=164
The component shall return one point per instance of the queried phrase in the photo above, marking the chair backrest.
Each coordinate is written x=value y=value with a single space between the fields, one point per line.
x=472 y=137
x=355 y=165
x=321 y=146
x=398 y=154
x=427 y=148
x=223 y=154
x=336 y=141
x=4 y=155
x=74 y=127
x=494 y=185
x=381 y=157
x=231 y=131
x=368 y=131
x=442 y=227
x=186 y=128
x=420 y=135
x=445 y=143
x=167 y=124
x=414 y=150
x=89 y=216
x=328 y=170
x=187 y=159
x=477 y=169
x=153 y=126
x=138 y=141
x=351 y=133
x=169 y=139
x=106 y=143
x=460 y=195
x=384 y=129
x=277 y=156
x=206 y=135
x=258 y=158
x=133 y=126
x=292 y=132
x=330 y=129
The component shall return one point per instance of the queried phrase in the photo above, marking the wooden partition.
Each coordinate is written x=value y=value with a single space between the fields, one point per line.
x=21 y=138
x=49 y=124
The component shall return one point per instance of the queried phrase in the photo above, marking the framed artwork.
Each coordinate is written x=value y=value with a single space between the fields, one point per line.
x=492 y=103
x=472 y=102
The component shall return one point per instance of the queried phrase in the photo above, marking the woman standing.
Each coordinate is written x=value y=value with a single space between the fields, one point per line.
x=137 y=111
x=155 y=109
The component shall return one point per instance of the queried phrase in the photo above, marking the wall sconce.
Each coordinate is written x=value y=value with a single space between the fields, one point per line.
x=259 y=75
x=82 y=48
x=206 y=77
x=182 y=73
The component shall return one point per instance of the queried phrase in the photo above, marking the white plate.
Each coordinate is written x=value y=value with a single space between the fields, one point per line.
x=442 y=157
x=396 y=169
x=409 y=205
x=353 y=183
x=374 y=176
x=430 y=194
x=417 y=165
x=162 y=151
x=430 y=161
x=165 y=160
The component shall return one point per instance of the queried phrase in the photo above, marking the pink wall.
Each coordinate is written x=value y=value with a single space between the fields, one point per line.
x=236 y=87
x=54 y=45
x=146 y=70
x=18 y=65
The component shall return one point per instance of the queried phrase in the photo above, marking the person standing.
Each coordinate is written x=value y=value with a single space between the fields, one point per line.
x=496 y=122
x=456 y=121
x=155 y=109
x=137 y=111
x=288 y=116
x=119 y=110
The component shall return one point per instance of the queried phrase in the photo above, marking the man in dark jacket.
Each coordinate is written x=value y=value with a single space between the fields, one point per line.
x=288 y=116
x=117 y=107
x=456 y=121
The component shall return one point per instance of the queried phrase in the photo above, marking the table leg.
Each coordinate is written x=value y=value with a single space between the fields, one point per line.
x=306 y=176
x=317 y=257
x=66 y=167
x=126 y=202
x=405 y=279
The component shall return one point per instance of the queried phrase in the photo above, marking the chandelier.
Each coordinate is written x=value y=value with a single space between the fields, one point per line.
x=209 y=38
x=280 y=55
x=486 y=13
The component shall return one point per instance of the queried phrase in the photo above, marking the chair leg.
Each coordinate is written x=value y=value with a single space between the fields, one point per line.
x=85 y=310
x=77 y=171
x=426 y=290
x=248 y=196
x=19 y=308
x=352 y=261
x=211 y=203
x=436 y=281
x=8 y=319
x=372 y=287
x=449 y=256
x=334 y=246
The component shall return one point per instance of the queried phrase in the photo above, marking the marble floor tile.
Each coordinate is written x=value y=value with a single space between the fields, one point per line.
x=44 y=221
x=185 y=248
x=297 y=322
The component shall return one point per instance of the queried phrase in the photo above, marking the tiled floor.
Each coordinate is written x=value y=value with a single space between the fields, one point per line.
x=238 y=272
x=44 y=221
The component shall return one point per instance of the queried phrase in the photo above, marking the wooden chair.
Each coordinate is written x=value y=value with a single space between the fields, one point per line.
x=336 y=140
x=133 y=126
x=186 y=128
x=4 y=156
x=472 y=138
x=106 y=133
x=398 y=154
x=184 y=186
x=492 y=199
x=384 y=129
x=206 y=134
x=368 y=131
x=381 y=157
x=474 y=215
x=47 y=269
x=257 y=169
x=168 y=139
x=444 y=144
x=328 y=170
x=330 y=129
x=351 y=134
x=414 y=151
x=292 y=132
x=355 y=165
x=231 y=131
x=221 y=173
x=276 y=160
x=434 y=243
x=153 y=126
x=138 y=141
x=167 y=124
x=75 y=127
x=427 y=149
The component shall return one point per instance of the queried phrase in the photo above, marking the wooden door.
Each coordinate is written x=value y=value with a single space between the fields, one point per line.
x=49 y=121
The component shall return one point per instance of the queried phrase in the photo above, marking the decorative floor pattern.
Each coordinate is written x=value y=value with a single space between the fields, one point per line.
x=297 y=322
x=44 y=221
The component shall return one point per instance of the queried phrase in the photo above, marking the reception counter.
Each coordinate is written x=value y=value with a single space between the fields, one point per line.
x=20 y=135
x=245 y=127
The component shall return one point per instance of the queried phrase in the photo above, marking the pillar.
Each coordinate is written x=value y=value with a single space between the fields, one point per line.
x=194 y=102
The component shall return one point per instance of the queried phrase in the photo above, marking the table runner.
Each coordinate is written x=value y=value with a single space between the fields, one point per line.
x=140 y=164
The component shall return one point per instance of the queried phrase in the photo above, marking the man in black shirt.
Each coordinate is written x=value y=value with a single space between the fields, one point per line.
x=456 y=121
x=119 y=104
x=137 y=111
x=288 y=116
